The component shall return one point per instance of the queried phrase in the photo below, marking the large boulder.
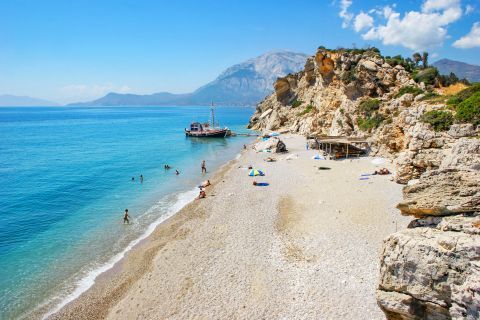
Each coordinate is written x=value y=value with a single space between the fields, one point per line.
x=442 y=192
x=432 y=271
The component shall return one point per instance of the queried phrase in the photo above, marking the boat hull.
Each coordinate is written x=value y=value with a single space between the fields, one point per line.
x=207 y=133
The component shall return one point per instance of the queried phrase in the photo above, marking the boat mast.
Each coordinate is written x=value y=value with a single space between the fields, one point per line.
x=213 y=117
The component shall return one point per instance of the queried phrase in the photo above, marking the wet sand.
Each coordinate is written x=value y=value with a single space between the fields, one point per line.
x=304 y=247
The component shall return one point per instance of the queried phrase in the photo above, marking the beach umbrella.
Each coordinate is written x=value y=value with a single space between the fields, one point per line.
x=254 y=173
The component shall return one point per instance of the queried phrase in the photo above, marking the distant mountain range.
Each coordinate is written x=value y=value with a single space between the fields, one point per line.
x=461 y=69
x=8 y=100
x=246 y=83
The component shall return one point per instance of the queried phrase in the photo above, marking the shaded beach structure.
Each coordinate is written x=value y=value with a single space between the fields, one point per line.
x=341 y=146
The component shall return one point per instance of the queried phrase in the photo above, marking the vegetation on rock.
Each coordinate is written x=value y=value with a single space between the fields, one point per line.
x=439 y=120
x=368 y=107
x=409 y=89
x=468 y=111
x=296 y=103
x=369 y=123
x=308 y=109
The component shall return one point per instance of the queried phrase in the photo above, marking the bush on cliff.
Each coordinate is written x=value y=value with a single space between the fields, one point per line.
x=427 y=76
x=409 y=89
x=468 y=111
x=308 y=109
x=438 y=119
x=369 y=123
x=464 y=94
x=368 y=107
x=296 y=103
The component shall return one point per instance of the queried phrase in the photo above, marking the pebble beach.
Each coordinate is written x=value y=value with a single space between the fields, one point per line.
x=305 y=246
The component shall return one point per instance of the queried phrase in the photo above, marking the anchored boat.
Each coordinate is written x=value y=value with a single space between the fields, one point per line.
x=207 y=130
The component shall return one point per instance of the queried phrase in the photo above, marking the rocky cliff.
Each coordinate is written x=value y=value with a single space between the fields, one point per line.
x=431 y=270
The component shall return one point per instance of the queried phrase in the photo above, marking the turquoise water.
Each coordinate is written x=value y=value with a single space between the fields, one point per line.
x=66 y=180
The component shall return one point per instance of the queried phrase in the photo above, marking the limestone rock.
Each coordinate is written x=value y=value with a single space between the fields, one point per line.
x=465 y=153
x=442 y=192
x=432 y=271
x=370 y=65
x=462 y=130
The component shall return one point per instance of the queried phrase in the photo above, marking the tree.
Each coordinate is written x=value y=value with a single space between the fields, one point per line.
x=425 y=59
x=417 y=58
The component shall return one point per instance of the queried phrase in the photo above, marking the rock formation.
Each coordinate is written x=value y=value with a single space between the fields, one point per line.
x=431 y=270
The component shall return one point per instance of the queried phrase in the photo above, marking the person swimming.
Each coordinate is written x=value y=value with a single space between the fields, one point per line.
x=177 y=172
x=167 y=167
x=133 y=178
x=141 y=178
x=204 y=167
x=126 y=217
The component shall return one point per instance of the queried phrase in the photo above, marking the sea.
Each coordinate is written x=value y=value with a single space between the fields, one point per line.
x=66 y=179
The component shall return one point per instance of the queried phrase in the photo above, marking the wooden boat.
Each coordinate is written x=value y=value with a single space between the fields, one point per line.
x=205 y=130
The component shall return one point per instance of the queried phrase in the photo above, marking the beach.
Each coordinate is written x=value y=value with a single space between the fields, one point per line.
x=304 y=247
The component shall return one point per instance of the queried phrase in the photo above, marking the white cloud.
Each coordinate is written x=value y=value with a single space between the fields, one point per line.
x=470 y=40
x=82 y=92
x=344 y=14
x=469 y=9
x=435 y=5
x=362 y=21
x=417 y=30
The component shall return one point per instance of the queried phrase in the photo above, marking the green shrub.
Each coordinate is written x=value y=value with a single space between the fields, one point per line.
x=409 y=89
x=308 y=109
x=427 y=76
x=349 y=76
x=430 y=95
x=438 y=119
x=469 y=110
x=296 y=103
x=342 y=111
x=369 y=106
x=339 y=122
x=464 y=95
x=367 y=124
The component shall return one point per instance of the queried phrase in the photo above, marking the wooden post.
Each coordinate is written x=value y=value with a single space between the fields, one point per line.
x=347 y=151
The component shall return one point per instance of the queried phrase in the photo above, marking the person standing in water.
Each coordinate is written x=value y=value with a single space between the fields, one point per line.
x=204 y=167
x=126 y=217
x=141 y=178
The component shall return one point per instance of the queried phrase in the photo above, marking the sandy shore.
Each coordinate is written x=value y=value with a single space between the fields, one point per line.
x=304 y=247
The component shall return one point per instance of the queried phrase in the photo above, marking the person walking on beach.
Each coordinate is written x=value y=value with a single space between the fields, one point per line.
x=204 y=167
x=141 y=178
x=126 y=217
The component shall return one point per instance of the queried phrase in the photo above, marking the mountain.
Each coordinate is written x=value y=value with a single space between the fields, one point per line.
x=245 y=83
x=7 y=100
x=463 y=70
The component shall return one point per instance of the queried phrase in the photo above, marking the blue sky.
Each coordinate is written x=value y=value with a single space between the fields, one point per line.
x=79 y=50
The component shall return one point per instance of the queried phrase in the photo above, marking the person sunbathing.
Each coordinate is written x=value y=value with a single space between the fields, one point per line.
x=202 y=194
x=205 y=184
x=383 y=171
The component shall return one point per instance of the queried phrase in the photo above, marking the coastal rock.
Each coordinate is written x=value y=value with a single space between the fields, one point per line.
x=432 y=271
x=442 y=192
x=465 y=154
x=369 y=65
x=462 y=130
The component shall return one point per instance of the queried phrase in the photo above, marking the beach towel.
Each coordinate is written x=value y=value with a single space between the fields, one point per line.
x=262 y=184
x=366 y=174
x=363 y=178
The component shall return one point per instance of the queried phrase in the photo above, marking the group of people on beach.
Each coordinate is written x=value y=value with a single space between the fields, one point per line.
x=126 y=216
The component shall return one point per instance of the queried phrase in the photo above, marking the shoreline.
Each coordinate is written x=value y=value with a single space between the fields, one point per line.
x=115 y=265
x=292 y=228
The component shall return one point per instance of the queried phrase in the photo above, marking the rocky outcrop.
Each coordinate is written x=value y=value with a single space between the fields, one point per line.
x=432 y=271
x=442 y=192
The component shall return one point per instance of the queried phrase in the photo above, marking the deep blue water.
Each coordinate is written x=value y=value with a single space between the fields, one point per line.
x=65 y=180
